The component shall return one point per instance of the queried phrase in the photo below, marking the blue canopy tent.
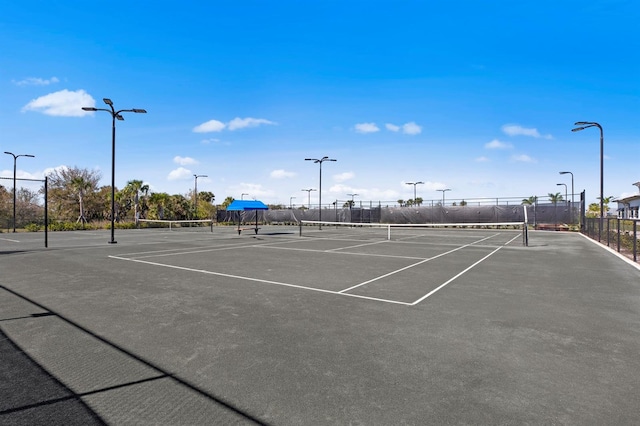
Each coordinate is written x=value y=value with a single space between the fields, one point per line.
x=247 y=205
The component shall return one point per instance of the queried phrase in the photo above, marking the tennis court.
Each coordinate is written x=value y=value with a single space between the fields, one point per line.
x=336 y=325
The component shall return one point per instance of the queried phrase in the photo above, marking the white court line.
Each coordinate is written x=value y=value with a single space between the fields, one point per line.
x=411 y=266
x=7 y=239
x=460 y=274
x=340 y=253
x=202 y=271
x=356 y=246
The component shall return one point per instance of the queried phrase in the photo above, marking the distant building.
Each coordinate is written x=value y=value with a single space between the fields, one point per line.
x=629 y=207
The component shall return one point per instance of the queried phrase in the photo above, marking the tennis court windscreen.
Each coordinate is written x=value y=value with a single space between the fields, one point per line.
x=458 y=233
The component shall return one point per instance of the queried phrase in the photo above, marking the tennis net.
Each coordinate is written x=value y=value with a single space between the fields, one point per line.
x=193 y=225
x=494 y=233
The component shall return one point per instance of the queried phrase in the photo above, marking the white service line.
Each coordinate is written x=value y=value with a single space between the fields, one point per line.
x=202 y=271
x=411 y=266
x=356 y=246
x=460 y=274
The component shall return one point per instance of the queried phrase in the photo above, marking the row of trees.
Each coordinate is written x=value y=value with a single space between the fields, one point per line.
x=74 y=195
x=593 y=210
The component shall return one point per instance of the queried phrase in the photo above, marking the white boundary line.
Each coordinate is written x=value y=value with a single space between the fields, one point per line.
x=202 y=271
x=341 y=292
x=8 y=239
x=612 y=251
x=411 y=266
x=441 y=286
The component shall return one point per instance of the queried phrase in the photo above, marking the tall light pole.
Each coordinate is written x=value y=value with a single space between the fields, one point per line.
x=195 y=190
x=291 y=205
x=320 y=161
x=585 y=125
x=565 y=192
x=15 y=160
x=443 y=191
x=114 y=115
x=572 y=192
x=414 y=189
x=309 y=196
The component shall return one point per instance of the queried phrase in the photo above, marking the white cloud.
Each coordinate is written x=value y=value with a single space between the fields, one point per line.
x=392 y=127
x=482 y=159
x=366 y=128
x=523 y=158
x=180 y=174
x=184 y=161
x=343 y=176
x=235 y=124
x=241 y=123
x=62 y=104
x=210 y=126
x=496 y=144
x=254 y=191
x=35 y=81
x=516 y=130
x=411 y=128
x=282 y=174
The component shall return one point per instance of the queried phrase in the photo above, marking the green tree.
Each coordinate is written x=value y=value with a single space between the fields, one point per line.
x=80 y=186
x=401 y=202
x=419 y=201
x=226 y=202
x=133 y=191
x=555 y=198
x=530 y=201
x=64 y=191
x=157 y=204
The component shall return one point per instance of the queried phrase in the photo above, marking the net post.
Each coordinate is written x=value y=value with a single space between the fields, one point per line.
x=46 y=209
x=300 y=231
x=389 y=232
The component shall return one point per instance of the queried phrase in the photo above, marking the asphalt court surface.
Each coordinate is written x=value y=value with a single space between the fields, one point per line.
x=199 y=327
x=404 y=270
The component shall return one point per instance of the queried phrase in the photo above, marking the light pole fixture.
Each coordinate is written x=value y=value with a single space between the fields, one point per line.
x=15 y=160
x=572 y=192
x=291 y=205
x=309 y=196
x=242 y=195
x=414 y=189
x=114 y=115
x=320 y=161
x=565 y=191
x=585 y=125
x=195 y=190
x=443 y=191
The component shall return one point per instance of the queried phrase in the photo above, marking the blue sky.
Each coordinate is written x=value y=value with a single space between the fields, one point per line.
x=474 y=96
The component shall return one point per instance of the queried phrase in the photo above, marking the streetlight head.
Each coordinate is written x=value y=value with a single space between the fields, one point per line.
x=89 y=108
x=564 y=173
x=582 y=123
x=7 y=152
x=119 y=117
x=29 y=155
x=107 y=101
x=139 y=111
x=577 y=129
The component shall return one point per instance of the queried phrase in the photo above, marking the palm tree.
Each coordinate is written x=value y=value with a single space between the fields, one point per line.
x=401 y=202
x=80 y=185
x=133 y=190
x=530 y=201
x=157 y=203
x=555 y=198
